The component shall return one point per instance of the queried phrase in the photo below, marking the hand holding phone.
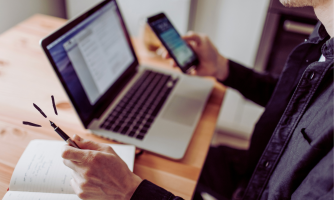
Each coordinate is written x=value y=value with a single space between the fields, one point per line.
x=178 y=49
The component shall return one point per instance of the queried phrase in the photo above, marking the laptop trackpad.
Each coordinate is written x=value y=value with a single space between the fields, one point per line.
x=182 y=110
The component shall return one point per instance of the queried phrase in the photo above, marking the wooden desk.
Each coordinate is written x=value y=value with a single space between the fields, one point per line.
x=26 y=77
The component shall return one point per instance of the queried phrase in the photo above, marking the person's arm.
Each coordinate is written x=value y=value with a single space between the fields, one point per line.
x=329 y=195
x=99 y=174
x=147 y=190
x=254 y=86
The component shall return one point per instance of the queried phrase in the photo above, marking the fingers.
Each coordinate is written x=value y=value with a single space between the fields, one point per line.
x=83 y=189
x=85 y=144
x=161 y=51
x=79 y=191
x=72 y=154
x=191 y=36
x=71 y=164
x=195 y=41
x=76 y=176
x=75 y=187
x=165 y=55
x=192 y=72
x=172 y=63
x=81 y=181
x=91 y=145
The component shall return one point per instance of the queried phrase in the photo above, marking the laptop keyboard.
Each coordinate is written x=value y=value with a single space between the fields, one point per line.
x=135 y=113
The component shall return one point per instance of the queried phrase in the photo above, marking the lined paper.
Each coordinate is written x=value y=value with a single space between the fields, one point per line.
x=41 y=167
x=15 y=195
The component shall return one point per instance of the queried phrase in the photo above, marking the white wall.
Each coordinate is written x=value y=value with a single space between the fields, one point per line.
x=75 y=7
x=14 y=11
x=135 y=12
x=235 y=26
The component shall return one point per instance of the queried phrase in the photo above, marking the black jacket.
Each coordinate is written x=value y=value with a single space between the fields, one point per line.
x=291 y=152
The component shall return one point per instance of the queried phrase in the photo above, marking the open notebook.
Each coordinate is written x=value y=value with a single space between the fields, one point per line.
x=41 y=175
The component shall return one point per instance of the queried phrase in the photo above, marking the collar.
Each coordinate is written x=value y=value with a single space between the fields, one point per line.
x=328 y=49
x=320 y=34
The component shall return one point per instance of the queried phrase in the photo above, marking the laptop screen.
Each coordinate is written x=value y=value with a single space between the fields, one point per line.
x=91 y=56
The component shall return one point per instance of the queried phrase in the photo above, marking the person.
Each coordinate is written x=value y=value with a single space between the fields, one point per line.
x=291 y=151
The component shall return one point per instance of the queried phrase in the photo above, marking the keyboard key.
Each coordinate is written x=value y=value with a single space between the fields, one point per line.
x=117 y=128
x=130 y=122
x=140 y=137
x=128 y=112
x=137 y=110
x=112 y=121
x=143 y=131
x=132 y=133
x=124 y=130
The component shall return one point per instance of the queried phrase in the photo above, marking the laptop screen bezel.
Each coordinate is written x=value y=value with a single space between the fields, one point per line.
x=106 y=99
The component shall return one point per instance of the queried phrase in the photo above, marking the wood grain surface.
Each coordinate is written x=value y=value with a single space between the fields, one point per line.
x=26 y=77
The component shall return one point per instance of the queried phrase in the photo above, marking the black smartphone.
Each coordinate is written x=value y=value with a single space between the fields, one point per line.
x=177 y=48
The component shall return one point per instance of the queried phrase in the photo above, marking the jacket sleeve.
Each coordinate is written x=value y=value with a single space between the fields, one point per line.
x=328 y=196
x=252 y=85
x=147 y=190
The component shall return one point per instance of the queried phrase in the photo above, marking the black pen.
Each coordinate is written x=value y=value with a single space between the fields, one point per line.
x=62 y=134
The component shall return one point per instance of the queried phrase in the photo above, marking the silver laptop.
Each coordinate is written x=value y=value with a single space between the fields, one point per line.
x=115 y=97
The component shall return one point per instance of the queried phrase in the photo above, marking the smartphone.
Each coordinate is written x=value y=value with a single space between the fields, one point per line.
x=177 y=48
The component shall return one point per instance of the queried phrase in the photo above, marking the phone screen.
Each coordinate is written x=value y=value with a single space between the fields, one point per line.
x=181 y=52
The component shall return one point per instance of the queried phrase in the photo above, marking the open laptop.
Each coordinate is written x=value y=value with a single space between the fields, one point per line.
x=115 y=97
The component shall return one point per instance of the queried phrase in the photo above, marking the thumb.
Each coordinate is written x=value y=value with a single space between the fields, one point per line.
x=91 y=145
x=194 y=46
x=192 y=37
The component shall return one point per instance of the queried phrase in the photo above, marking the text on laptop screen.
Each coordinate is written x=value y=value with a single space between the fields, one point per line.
x=91 y=56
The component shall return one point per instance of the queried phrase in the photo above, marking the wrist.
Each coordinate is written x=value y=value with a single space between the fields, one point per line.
x=222 y=68
x=133 y=185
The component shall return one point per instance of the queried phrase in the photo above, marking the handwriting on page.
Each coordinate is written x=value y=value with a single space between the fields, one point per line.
x=41 y=169
x=38 y=196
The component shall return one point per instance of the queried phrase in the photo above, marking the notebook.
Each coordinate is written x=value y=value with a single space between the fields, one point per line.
x=40 y=173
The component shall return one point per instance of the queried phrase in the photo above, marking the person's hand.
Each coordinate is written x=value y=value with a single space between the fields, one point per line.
x=211 y=62
x=98 y=172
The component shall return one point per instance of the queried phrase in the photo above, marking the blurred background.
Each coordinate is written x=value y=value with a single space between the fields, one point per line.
x=259 y=34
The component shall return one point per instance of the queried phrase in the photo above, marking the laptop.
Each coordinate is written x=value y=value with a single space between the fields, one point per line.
x=117 y=98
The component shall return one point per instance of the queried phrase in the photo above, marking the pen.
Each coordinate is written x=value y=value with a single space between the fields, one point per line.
x=62 y=134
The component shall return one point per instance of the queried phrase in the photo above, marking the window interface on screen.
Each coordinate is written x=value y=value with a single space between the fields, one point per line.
x=182 y=53
x=97 y=51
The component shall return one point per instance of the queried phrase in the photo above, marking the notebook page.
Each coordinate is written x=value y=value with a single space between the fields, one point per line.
x=126 y=153
x=41 y=167
x=15 y=195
